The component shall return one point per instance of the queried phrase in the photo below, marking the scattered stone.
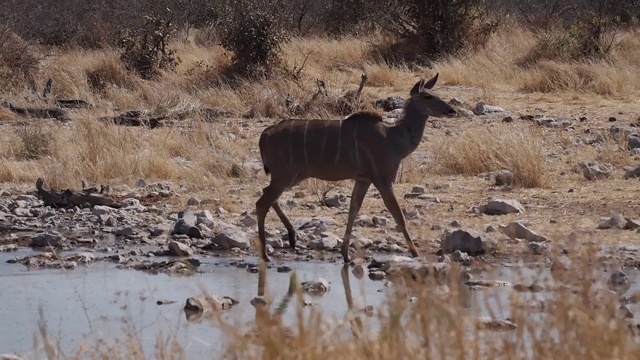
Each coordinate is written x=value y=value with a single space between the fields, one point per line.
x=395 y=114
x=377 y=275
x=316 y=287
x=467 y=241
x=101 y=210
x=284 y=269
x=359 y=271
x=231 y=238
x=8 y=247
x=417 y=189
x=504 y=177
x=631 y=172
x=632 y=224
x=186 y=221
x=179 y=249
x=594 y=170
x=457 y=102
x=198 y=305
x=141 y=183
x=126 y=231
x=335 y=201
x=538 y=248
x=193 y=201
x=487 y=283
x=484 y=109
x=507 y=119
x=633 y=141
x=619 y=282
x=52 y=239
x=502 y=207
x=390 y=103
x=327 y=241
x=412 y=214
x=461 y=257
x=379 y=221
x=248 y=221
x=617 y=221
x=518 y=230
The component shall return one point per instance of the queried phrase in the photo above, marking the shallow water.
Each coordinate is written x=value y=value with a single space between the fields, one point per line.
x=99 y=299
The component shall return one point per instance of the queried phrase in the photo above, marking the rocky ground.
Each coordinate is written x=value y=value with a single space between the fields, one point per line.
x=469 y=219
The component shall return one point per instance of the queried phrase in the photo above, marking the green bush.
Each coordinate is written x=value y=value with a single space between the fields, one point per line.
x=255 y=33
x=145 y=50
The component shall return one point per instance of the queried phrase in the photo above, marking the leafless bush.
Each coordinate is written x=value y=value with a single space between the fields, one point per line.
x=18 y=62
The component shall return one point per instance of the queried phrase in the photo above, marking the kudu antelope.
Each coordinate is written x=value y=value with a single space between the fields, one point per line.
x=360 y=147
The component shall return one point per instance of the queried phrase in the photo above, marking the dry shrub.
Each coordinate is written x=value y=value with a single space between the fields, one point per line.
x=36 y=141
x=481 y=150
x=109 y=72
x=18 y=61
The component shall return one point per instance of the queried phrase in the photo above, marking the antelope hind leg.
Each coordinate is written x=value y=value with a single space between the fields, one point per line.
x=391 y=203
x=357 y=196
x=287 y=224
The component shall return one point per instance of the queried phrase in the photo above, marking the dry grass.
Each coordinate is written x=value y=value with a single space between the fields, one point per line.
x=495 y=148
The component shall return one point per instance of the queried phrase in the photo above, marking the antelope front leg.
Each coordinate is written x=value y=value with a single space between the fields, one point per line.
x=270 y=194
x=390 y=201
x=357 y=196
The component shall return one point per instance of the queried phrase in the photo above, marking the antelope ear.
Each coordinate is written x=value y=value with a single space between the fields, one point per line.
x=417 y=88
x=429 y=84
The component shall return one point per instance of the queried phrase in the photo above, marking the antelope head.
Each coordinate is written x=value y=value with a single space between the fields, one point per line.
x=427 y=102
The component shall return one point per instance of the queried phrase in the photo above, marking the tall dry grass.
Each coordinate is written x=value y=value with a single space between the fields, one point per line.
x=481 y=150
x=107 y=153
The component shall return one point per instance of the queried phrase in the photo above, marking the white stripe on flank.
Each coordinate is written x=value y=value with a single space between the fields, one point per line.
x=291 y=143
x=304 y=142
x=324 y=140
x=335 y=161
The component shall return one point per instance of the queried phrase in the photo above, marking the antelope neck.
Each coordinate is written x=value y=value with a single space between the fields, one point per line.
x=407 y=133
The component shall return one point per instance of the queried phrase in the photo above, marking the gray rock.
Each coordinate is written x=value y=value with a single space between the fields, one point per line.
x=632 y=224
x=232 y=237
x=204 y=217
x=248 y=221
x=461 y=257
x=457 y=102
x=518 y=230
x=631 y=172
x=417 y=189
x=633 y=141
x=487 y=323
x=53 y=239
x=594 y=170
x=141 y=183
x=101 y=210
x=615 y=222
x=186 y=224
x=193 y=201
x=327 y=241
x=465 y=112
x=125 y=231
x=502 y=207
x=412 y=214
x=468 y=241
x=317 y=287
x=538 y=248
x=504 y=177
x=484 y=109
x=377 y=275
x=335 y=201
x=179 y=249
x=379 y=221
x=390 y=103
x=22 y=212
x=107 y=220
x=619 y=282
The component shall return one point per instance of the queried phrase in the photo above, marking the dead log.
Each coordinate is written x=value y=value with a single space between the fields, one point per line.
x=69 y=198
x=134 y=118
x=73 y=104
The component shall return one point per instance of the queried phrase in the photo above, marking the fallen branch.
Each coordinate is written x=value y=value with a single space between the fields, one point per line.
x=68 y=198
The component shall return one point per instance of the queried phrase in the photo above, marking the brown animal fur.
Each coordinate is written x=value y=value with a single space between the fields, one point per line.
x=360 y=147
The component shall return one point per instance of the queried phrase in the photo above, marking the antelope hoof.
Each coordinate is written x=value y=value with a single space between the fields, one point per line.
x=293 y=237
